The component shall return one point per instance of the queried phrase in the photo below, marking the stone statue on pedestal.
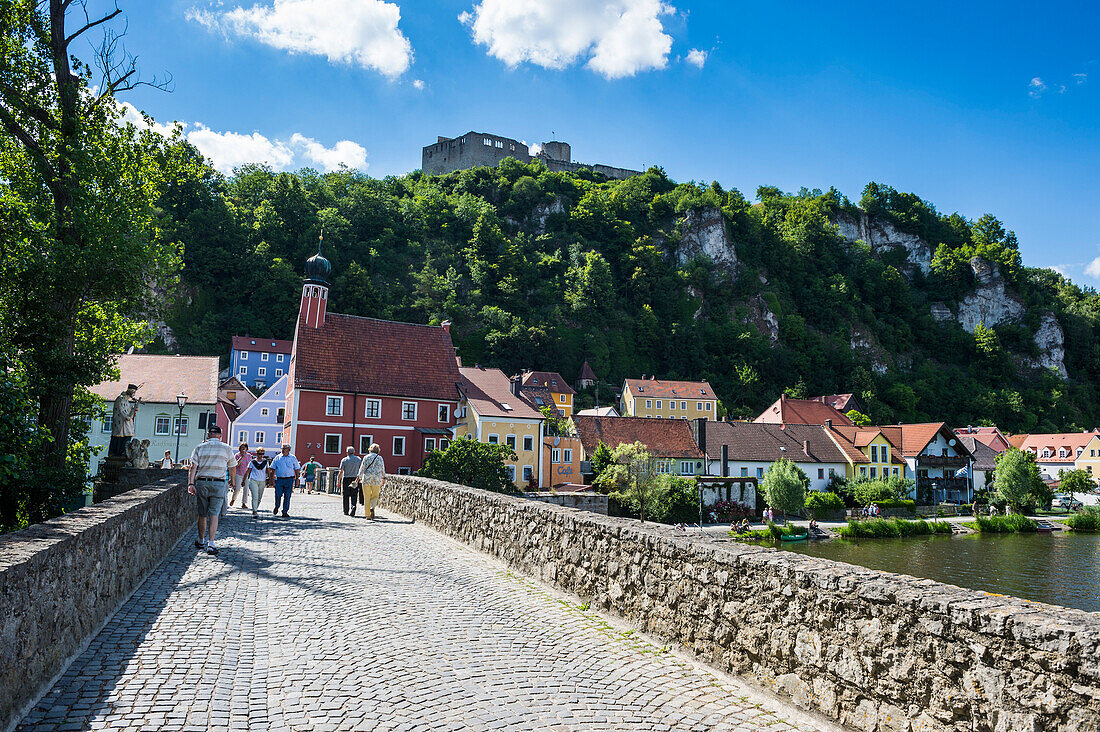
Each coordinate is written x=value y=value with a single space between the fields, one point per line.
x=122 y=421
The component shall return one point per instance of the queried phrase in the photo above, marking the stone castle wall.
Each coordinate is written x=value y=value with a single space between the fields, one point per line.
x=475 y=149
x=874 y=650
x=61 y=579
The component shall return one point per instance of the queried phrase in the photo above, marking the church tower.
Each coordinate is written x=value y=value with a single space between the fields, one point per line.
x=315 y=290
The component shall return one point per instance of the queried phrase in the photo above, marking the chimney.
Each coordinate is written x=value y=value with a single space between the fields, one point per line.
x=515 y=385
x=725 y=461
x=701 y=433
x=806 y=447
x=829 y=424
x=446 y=326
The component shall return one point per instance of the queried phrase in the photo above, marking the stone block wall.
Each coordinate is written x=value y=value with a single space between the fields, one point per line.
x=585 y=501
x=61 y=579
x=874 y=650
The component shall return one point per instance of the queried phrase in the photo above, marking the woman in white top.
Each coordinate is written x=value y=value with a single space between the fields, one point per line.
x=166 y=463
x=259 y=470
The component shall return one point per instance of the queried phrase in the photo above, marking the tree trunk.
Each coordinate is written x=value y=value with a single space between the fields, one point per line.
x=56 y=406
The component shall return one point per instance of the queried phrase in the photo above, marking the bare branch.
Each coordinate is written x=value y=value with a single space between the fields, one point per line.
x=93 y=24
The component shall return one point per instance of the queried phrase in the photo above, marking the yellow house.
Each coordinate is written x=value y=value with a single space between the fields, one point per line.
x=668 y=399
x=547 y=388
x=491 y=412
x=1089 y=459
x=868 y=452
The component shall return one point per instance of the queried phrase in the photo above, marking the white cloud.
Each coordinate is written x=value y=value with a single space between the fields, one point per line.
x=1080 y=78
x=359 y=32
x=617 y=37
x=1036 y=87
x=697 y=58
x=344 y=152
x=418 y=84
x=228 y=150
x=131 y=114
x=1092 y=269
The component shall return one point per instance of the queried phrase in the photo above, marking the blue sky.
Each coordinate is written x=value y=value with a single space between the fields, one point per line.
x=978 y=107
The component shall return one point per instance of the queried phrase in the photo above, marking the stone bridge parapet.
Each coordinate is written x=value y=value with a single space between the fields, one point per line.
x=874 y=650
x=60 y=580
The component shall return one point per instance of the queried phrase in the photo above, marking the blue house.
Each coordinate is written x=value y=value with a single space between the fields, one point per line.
x=261 y=424
x=259 y=362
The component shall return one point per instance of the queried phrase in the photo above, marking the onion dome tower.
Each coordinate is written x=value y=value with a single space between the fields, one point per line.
x=315 y=288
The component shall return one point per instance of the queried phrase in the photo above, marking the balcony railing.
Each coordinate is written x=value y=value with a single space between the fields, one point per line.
x=941 y=461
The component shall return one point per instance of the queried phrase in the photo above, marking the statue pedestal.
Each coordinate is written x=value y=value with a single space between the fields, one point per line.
x=110 y=468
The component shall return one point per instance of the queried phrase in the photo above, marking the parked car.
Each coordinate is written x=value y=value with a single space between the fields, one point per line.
x=1066 y=502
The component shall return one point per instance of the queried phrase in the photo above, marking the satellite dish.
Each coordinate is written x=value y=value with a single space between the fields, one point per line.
x=557 y=441
x=951 y=443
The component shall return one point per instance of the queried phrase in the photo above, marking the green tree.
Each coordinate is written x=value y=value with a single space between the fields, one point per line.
x=77 y=196
x=632 y=478
x=858 y=418
x=1075 y=481
x=784 y=486
x=601 y=459
x=1017 y=481
x=471 y=463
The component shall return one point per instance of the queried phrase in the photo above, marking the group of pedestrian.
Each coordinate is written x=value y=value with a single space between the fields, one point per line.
x=361 y=480
x=871 y=511
x=214 y=468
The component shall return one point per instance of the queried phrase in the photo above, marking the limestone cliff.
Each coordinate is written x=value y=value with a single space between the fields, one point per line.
x=703 y=233
x=881 y=234
x=991 y=302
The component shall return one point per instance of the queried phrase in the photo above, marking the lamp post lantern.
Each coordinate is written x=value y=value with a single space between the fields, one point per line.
x=181 y=400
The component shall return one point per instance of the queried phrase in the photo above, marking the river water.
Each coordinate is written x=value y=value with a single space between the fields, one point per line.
x=1062 y=568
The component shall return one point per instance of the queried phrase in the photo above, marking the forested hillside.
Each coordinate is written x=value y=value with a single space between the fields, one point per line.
x=646 y=276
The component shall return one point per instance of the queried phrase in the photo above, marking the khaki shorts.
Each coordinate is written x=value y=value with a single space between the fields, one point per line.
x=210 y=496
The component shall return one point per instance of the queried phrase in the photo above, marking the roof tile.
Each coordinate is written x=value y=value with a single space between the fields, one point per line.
x=379 y=357
x=666 y=438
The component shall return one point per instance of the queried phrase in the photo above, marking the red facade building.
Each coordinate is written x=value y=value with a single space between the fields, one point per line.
x=355 y=381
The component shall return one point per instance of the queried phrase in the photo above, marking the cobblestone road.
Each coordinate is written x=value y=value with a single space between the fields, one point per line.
x=324 y=622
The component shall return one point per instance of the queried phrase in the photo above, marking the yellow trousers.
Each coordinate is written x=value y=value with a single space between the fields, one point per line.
x=370 y=496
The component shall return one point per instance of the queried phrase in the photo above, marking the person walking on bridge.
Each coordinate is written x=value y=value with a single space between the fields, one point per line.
x=346 y=477
x=372 y=476
x=287 y=474
x=260 y=473
x=240 y=475
x=206 y=481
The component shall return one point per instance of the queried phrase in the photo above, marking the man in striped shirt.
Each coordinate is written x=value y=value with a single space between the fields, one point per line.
x=206 y=481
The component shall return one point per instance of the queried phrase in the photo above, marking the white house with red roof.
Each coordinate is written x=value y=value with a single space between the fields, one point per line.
x=1056 y=451
x=356 y=381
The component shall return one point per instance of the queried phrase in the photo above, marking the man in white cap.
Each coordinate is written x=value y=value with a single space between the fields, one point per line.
x=206 y=481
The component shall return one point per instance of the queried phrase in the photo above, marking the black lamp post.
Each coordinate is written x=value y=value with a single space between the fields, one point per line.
x=181 y=400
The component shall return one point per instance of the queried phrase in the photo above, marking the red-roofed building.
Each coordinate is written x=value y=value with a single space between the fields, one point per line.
x=669 y=441
x=1057 y=451
x=843 y=403
x=991 y=437
x=802 y=411
x=654 y=397
x=356 y=381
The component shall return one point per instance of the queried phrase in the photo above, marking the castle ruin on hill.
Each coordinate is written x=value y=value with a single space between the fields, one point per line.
x=473 y=149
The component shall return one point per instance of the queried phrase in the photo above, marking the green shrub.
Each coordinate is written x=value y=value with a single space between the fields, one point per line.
x=823 y=501
x=908 y=504
x=1005 y=524
x=1088 y=519
x=894 y=488
x=879 y=528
